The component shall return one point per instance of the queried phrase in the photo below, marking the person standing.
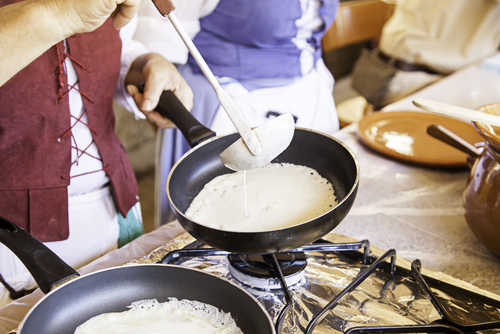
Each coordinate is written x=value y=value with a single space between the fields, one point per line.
x=424 y=41
x=266 y=55
x=66 y=178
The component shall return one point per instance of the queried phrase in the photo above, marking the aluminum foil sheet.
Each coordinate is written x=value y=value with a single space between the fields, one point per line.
x=381 y=300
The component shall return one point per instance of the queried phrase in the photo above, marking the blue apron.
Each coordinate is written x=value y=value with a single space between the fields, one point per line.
x=245 y=39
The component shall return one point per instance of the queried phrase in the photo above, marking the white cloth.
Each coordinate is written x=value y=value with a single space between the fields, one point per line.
x=314 y=110
x=444 y=35
x=93 y=232
x=309 y=22
x=131 y=49
x=405 y=83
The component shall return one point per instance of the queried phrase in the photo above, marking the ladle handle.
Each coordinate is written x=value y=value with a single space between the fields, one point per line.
x=225 y=100
x=164 y=6
x=45 y=266
x=172 y=108
x=456 y=112
x=448 y=137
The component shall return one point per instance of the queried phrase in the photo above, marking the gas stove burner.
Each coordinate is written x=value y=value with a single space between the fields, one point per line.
x=444 y=307
x=257 y=270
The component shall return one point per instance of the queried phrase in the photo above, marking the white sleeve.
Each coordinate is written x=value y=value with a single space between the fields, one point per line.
x=131 y=49
x=157 y=33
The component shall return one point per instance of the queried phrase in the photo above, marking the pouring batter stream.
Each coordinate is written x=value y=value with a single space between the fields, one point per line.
x=276 y=196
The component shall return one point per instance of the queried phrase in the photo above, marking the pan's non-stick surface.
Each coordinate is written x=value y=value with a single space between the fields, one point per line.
x=112 y=290
x=328 y=156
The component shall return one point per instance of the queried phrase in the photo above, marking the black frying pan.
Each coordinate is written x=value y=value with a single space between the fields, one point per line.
x=328 y=156
x=112 y=290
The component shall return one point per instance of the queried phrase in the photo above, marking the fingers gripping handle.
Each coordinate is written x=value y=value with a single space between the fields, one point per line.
x=172 y=108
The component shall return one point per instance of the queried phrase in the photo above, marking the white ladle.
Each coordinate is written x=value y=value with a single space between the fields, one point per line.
x=457 y=112
x=256 y=148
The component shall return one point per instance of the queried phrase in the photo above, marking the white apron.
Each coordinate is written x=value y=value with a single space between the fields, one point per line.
x=93 y=232
x=309 y=99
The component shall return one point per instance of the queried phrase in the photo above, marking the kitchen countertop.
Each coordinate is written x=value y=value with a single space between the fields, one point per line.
x=418 y=210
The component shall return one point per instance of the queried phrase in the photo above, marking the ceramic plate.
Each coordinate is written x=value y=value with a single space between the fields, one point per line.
x=403 y=135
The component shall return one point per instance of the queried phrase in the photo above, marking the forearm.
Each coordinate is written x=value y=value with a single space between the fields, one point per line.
x=30 y=27
x=27 y=29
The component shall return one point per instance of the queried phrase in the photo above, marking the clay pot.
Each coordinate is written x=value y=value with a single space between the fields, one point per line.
x=481 y=198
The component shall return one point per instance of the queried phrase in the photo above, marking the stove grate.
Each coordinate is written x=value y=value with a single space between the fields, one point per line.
x=452 y=321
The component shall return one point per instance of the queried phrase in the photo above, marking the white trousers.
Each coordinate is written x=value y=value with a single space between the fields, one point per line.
x=93 y=232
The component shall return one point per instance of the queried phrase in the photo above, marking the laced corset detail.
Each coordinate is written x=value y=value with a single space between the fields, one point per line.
x=63 y=93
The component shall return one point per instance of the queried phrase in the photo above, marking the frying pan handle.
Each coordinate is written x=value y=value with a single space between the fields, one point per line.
x=45 y=266
x=170 y=107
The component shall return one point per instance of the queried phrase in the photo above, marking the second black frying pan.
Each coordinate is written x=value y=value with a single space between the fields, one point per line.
x=328 y=156
x=112 y=290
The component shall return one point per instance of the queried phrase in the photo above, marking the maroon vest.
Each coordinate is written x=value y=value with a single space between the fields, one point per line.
x=35 y=157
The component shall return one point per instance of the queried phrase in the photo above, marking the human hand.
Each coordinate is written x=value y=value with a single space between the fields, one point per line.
x=76 y=16
x=158 y=74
